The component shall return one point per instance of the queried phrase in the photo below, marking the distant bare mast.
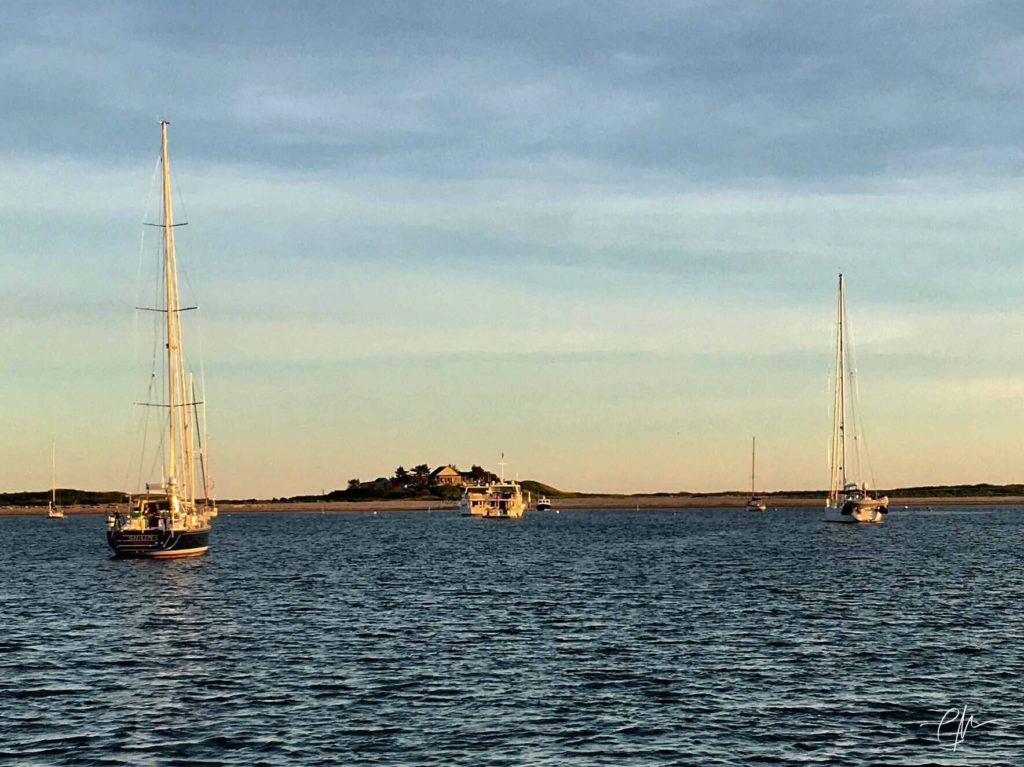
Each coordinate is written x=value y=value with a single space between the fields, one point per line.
x=753 y=459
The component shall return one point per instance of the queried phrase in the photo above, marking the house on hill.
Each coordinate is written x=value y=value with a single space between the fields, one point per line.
x=447 y=475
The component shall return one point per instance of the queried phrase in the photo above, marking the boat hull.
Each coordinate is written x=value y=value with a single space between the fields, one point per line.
x=857 y=510
x=158 y=544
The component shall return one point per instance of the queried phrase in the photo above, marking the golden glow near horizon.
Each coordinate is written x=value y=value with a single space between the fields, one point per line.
x=609 y=254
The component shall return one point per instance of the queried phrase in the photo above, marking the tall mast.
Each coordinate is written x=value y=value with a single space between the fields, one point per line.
x=172 y=448
x=53 y=474
x=177 y=424
x=842 y=381
x=753 y=454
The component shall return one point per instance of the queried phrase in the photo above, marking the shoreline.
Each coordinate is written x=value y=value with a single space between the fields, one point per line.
x=587 y=502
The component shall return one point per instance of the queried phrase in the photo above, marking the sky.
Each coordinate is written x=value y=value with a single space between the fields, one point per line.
x=600 y=238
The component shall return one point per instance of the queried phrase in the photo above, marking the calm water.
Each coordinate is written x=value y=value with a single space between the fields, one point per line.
x=585 y=638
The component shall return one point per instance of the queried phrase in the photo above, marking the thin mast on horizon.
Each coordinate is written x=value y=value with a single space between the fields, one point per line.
x=753 y=454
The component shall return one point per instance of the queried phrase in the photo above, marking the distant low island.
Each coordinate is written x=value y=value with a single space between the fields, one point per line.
x=442 y=486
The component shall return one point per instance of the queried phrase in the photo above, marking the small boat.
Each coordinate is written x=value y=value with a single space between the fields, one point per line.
x=543 y=503
x=494 y=500
x=755 y=503
x=54 y=511
x=169 y=520
x=849 y=500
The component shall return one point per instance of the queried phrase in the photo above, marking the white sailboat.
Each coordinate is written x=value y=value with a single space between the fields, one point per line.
x=850 y=499
x=755 y=503
x=54 y=511
x=169 y=520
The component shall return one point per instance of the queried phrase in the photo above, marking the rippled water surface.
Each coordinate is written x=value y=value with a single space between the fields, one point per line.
x=695 y=637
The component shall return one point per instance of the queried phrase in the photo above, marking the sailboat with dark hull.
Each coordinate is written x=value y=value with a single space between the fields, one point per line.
x=168 y=520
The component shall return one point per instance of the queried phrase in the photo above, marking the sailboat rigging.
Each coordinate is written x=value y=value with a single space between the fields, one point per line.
x=849 y=499
x=54 y=511
x=755 y=503
x=168 y=520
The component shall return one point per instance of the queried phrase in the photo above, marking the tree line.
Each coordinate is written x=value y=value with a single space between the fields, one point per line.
x=417 y=481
